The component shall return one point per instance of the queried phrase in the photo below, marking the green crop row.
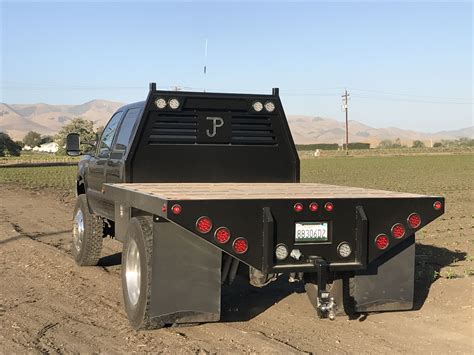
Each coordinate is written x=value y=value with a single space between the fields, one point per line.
x=61 y=178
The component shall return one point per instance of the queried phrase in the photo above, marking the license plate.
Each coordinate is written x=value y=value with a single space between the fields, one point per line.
x=309 y=232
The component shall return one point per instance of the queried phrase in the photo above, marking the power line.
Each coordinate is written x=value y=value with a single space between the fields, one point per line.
x=323 y=92
x=78 y=87
x=409 y=95
x=410 y=100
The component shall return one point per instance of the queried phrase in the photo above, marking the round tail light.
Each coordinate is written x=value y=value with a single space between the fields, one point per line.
x=281 y=252
x=398 y=231
x=222 y=235
x=204 y=224
x=313 y=206
x=298 y=207
x=382 y=242
x=414 y=220
x=344 y=249
x=240 y=245
x=329 y=206
x=176 y=209
x=437 y=205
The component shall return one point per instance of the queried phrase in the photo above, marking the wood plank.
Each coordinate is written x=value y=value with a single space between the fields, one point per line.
x=236 y=191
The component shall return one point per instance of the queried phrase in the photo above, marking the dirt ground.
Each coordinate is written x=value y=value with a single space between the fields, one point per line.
x=50 y=305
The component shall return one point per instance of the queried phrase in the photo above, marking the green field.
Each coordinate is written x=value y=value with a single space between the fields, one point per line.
x=33 y=157
x=449 y=175
x=59 y=178
x=429 y=174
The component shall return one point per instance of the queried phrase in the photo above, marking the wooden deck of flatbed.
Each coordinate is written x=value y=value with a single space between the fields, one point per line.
x=252 y=191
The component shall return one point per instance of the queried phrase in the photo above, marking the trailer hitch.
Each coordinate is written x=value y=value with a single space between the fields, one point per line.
x=326 y=306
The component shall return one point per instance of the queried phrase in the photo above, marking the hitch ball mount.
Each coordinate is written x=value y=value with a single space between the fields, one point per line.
x=326 y=306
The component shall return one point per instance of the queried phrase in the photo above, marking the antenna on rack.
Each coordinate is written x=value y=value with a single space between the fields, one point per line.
x=205 y=64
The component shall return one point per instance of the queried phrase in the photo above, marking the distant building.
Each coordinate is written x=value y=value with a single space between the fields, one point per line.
x=51 y=147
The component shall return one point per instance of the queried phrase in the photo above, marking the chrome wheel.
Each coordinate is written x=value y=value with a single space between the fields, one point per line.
x=78 y=230
x=133 y=272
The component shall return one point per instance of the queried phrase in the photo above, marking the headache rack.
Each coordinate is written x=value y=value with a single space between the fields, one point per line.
x=212 y=137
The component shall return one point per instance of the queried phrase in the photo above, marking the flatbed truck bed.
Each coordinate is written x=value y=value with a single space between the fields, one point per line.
x=246 y=191
x=266 y=215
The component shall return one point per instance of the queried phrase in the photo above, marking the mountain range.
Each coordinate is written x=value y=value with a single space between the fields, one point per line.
x=18 y=119
x=307 y=130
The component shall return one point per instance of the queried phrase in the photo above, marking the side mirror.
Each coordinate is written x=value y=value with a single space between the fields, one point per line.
x=73 y=145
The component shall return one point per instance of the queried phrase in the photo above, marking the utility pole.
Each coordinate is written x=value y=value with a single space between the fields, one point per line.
x=345 y=99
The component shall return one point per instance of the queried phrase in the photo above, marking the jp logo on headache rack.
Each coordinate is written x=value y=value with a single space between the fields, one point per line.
x=214 y=127
x=217 y=122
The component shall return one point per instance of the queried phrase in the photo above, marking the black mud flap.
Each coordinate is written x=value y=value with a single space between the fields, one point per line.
x=186 y=273
x=388 y=284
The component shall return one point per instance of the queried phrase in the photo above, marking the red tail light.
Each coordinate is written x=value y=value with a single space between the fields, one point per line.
x=329 y=206
x=176 y=209
x=298 y=207
x=313 y=206
x=240 y=245
x=398 y=231
x=204 y=224
x=382 y=242
x=437 y=205
x=414 y=220
x=222 y=235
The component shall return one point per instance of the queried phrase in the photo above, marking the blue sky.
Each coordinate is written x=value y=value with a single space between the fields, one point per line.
x=405 y=64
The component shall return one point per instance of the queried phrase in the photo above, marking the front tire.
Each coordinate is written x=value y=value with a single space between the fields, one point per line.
x=137 y=257
x=87 y=234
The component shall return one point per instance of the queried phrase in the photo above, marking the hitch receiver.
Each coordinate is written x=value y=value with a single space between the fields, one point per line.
x=326 y=306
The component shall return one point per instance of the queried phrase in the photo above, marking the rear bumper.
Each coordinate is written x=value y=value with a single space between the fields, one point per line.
x=359 y=244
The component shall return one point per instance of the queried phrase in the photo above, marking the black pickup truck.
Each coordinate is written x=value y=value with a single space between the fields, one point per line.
x=197 y=184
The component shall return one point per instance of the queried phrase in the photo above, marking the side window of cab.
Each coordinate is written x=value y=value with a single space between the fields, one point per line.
x=105 y=143
x=127 y=127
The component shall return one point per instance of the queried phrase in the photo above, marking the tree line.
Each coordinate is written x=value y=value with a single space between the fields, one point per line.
x=389 y=144
x=85 y=128
x=463 y=142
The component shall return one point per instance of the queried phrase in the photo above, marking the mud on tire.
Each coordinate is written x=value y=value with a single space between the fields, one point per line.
x=137 y=256
x=87 y=234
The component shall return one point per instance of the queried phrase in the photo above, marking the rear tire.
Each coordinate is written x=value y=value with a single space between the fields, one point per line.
x=137 y=258
x=87 y=234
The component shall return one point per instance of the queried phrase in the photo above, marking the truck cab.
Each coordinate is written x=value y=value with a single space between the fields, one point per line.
x=106 y=161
